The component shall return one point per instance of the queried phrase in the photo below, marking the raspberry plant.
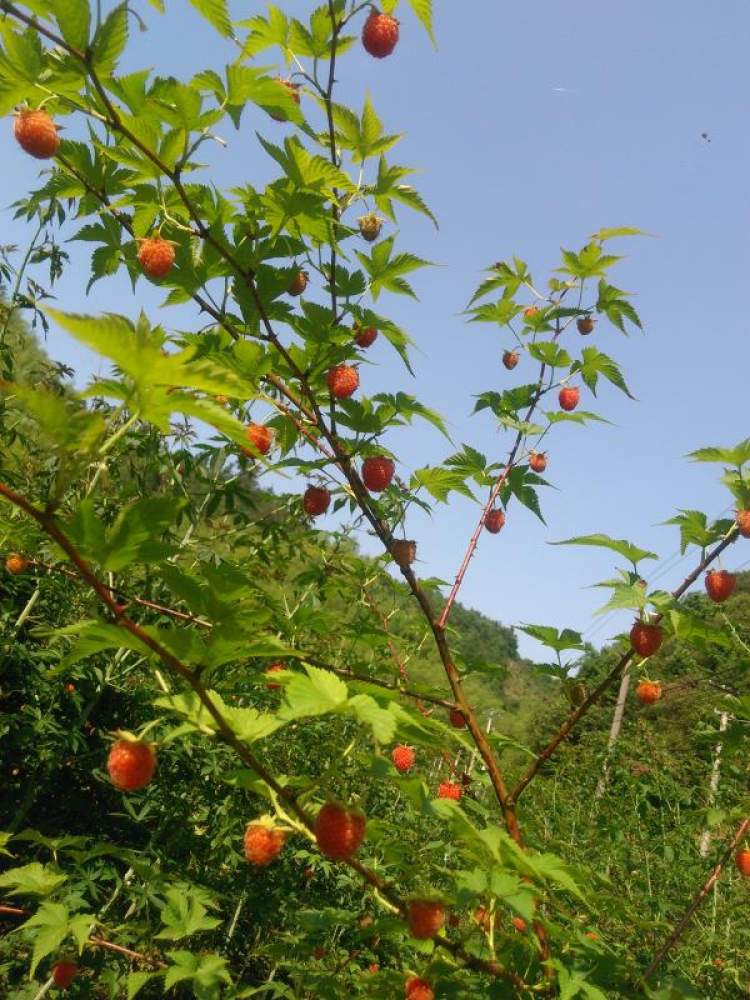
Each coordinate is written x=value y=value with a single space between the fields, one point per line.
x=171 y=593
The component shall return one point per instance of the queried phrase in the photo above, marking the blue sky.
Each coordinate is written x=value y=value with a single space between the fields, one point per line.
x=534 y=125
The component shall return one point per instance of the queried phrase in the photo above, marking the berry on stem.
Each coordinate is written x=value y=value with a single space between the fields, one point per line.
x=339 y=831
x=646 y=639
x=494 y=521
x=425 y=917
x=316 y=500
x=343 y=381
x=531 y=311
x=585 y=325
x=720 y=585
x=403 y=758
x=743 y=522
x=131 y=764
x=365 y=336
x=377 y=473
x=648 y=692
x=36 y=133
x=568 y=397
x=261 y=437
x=742 y=860
x=537 y=461
x=263 y=842
x=299 y=283
x=457 y=719
x=63 y=973
x=510 y=359
x=16 y=563
x=380 y=34
x=450 y=790
x=156 y=256
x=519 y=923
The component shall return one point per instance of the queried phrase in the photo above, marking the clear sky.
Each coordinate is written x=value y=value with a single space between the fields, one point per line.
x=535 y=124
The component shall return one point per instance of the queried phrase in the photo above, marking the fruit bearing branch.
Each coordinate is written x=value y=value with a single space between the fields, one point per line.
x=343 y=459
x=224 y=731
x=615 y=673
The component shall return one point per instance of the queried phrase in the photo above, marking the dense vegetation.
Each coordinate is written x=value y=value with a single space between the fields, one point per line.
x=239 y=758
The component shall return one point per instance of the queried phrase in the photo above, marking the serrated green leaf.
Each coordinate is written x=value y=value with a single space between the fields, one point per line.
x=624 y=548
x=423 y=10
x=738 y=456
x=110 y=40
x=315 y=693
x=216 y=12
x=32 y=880
x=74 y=20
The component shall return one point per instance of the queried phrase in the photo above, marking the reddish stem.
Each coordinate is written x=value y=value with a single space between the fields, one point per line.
x=697 y=900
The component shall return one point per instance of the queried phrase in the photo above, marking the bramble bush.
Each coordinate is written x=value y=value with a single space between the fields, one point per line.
x=232 y=767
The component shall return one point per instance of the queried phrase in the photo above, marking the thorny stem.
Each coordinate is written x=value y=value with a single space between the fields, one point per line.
x=495 y=492
x=707 y=886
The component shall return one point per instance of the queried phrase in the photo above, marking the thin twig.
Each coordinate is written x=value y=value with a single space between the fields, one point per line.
x=697 y=900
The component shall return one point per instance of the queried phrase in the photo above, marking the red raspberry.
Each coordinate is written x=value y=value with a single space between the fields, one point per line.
x=275 y=668
x=16 y=563
x=425 y=918
x=365 y=336
x=495 y=521
x=156 y=256
x=720 y=585
x=519 y=923
x=63 y=973
x=568 y=397
x=403 y=757
x=450 y=790
x=380 y=34
x=319 y=953
x=261 y=437
x=339 y=831
x=418 y=989
x=263 y=843
x=648 y=692
x=131 y=764
x=457 y=719
x=343 y=381
x=316 y=500
x=377 y=473
x=531 y=311
x=36 y=134
x=646 y=639
x=743 y=522
x=537 y=461
x=299 y=283
x=373 y=968
x=742 y=858
x=510 y=359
